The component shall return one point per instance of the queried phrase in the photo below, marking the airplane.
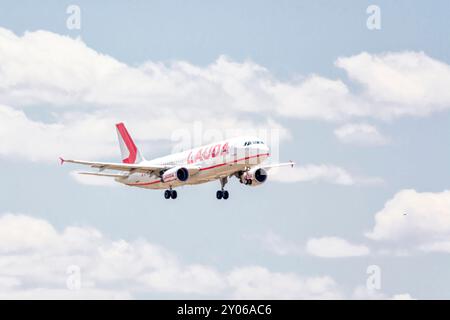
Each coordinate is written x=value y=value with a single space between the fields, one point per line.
x=241 y=157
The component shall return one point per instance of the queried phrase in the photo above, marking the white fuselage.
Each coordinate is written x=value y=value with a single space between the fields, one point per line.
x=205 y=163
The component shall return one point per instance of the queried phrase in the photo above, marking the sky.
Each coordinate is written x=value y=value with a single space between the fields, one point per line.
x=363 y=112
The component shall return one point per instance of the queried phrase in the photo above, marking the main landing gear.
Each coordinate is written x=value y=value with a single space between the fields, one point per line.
x=170 y=194
x=222 y=194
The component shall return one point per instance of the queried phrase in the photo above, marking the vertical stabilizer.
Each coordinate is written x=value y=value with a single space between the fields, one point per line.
x=128 y=149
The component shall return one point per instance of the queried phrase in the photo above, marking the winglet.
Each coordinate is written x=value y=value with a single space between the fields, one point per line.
x=61 y=160
x=292 y=163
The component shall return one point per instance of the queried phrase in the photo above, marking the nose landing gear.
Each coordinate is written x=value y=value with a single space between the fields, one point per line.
x=170 y=194
x=222 y=194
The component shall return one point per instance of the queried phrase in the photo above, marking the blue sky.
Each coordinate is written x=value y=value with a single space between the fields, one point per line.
x=324 y=72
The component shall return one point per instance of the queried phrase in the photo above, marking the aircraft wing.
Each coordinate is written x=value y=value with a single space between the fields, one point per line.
x=119 y=166
x=276 y=165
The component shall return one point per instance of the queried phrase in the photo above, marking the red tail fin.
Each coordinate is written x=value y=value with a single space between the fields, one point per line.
x=129 y=151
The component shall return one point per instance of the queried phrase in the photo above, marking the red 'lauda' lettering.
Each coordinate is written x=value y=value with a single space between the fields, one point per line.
x=189 y=158
x=211 y=152
x=206 y=153
x=225 y=148
x=215 y=151
x=198 y=156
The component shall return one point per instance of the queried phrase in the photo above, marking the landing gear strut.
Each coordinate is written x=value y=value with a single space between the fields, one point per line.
x=170 y=194
x=222 y=194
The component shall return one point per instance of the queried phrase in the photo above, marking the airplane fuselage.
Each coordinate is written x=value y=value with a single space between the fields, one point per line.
x=209 y=162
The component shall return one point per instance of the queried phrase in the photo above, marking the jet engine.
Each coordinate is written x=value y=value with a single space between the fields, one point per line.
x=175 y=174
x=253 y=177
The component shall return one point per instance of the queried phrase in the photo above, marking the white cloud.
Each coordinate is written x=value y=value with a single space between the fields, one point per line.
x=93 y=136
x=394 y=84
x=259 y=283
x=274 y=243
x=85 y=92
x=414 y=216
x=34 y=258
x=324 y=247
x=402 y=296
x=437 y=246
x=400 y=83
x=39 y=233
x=360 y=134
x=412 y=221
x=38 y=141
x=334 y=247
x=64 y=294
x=59 y=75
x=363 y=293
x=322 y=173
x=7 y=283
x=316 y=98
x=62 y=71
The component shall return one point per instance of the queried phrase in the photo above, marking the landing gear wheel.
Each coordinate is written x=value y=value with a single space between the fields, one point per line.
x=167 y=194
x=173 y=194
x=223 y=194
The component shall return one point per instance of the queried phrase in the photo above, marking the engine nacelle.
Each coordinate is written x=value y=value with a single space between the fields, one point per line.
x=175 y=174
x=253 y=177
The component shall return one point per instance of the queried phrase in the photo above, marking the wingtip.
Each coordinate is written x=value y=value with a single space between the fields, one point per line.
x=61 y=160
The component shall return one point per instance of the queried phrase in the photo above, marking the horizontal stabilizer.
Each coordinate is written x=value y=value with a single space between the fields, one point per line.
x=112 y=175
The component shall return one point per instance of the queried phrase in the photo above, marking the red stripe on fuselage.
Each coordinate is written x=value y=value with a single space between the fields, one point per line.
x=202 y=169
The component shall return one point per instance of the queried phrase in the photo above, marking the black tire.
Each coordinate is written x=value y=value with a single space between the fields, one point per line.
x=225 y=195
x=167 y=194
x=219 y=194
x=173 y=194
